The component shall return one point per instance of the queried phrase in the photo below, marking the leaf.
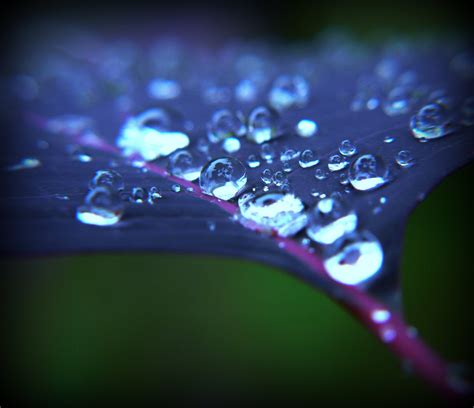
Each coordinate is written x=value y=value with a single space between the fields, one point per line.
x=38 y=221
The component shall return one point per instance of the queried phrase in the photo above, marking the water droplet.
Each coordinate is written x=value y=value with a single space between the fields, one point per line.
x=388 y=334
x=231 y=145
x=287 y=167
x=289 y=154
x=211 y=225
x=337 y=163
x=267 y=176
x=224 y=124
x=253 y=161
x=246 y=91
x=288 y=91
x=283 y=213
x=279 y=178
x=399 y=101
x=404 y=158
x=347 y=148
x=223 y=178
x=263 y=125
x=186 y=165
x=432 y=121
x=62 y=197
x=102 y=206
x=344 y=179
x=139 y=195
x=154 y=195
x=330 y=219
x=151 y=135
x=320 y=174
x=380 y=315
x=354 y=259
x=308 y=159
x=27 y=163
x=388 y=139
x=368 y=172
x=109 y=178
x=267 y=152
x=176 y=188
x=164 y=89
x=306 y=128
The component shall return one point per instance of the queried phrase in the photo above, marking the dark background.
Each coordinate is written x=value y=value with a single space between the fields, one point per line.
x=162 y=326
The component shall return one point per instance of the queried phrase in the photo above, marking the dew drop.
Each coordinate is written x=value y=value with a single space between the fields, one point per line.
x=267 y=176
x=337 y=163
x=139 y=195
x=253 y=161
x=263 y=125
x=231 y=145
x=223 y=178
x=388 y=139
x=225 y=124
x=320 y=174
x=289 y=91
x=164 y=89
x=380 y=315
x=277 y=211
x=368 y=172
x=27 y=163
x=102 y=206
x=308 y=159
x=354 y=259
x=347 y=148
x=404 y=159
x=432 y=121
x=329 y=220
x=154 y=195
x=267 y=152
x=176 y=188
x=186 y=164
x=109 y=178
x=306 y=128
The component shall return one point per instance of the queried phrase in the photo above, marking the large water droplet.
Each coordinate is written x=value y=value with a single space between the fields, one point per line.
x=283 y=213
x=224 y=124
x=263 y=125
x=223 y=178
x=368 y=172
x=186 y=165
x=288 y=91
x=432 y=121
x=330 y=219
x=102 y=207
x=355 y=258
x=151 y=135
x=108 y=178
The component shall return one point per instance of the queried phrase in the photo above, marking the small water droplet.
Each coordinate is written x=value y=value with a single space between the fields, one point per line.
x=368 y=172
x=102 y=206
x=267 y=176
x=225 y=124
x=347 y=148
x=27 y=163
x=231 y=145
x=287 y=167
x=281 y=212
x=405 y=159
x=279 y=178
x=306 y=128
x=253 y=161
x=223 y=178
x=308 y=159
x=399 y=101
x=388 y=139
x=246 y=91
x=164 y=89
x=186 y=164
x=320 y=174
x=289 y=91
x=388 y=334
x=176 y=188
x=288 y=155
x=330 y=219
x=139 y=195
x=263 y=125
x=380 y=315
x=109 y=178
x=337 y=163
x=154 y=195
x=211 y=225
